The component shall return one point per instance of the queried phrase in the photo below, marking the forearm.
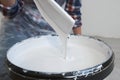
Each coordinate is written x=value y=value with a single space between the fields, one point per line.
x=7 y=3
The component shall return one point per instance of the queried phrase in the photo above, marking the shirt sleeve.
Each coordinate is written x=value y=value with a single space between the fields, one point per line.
x=60 y=2
x=72 y=7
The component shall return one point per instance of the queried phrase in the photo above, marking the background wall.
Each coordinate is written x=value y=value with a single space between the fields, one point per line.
x=101 y=18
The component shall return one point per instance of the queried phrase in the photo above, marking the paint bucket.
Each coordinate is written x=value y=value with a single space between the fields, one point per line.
x=96 y=72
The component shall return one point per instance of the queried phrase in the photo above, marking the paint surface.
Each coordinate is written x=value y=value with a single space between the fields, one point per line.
x=44 y=54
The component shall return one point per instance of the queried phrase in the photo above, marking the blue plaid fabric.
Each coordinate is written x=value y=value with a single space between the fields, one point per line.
x=73 y=9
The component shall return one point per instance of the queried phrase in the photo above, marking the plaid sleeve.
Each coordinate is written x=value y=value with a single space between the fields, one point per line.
x=73 y=9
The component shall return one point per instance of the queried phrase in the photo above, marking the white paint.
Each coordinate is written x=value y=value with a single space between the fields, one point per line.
x=43 y=54
x=101 y=18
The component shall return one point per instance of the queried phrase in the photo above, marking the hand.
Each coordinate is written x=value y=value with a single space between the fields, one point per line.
x=10 y=8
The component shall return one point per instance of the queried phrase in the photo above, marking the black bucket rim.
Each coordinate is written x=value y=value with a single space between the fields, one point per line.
x=85 y=73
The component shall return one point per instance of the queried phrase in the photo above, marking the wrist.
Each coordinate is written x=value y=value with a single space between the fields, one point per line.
x=77 y=30
x=7 y=3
